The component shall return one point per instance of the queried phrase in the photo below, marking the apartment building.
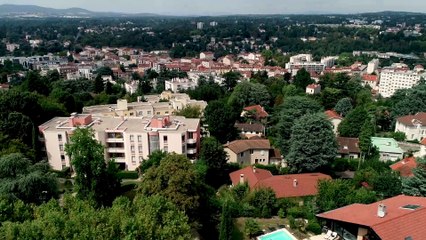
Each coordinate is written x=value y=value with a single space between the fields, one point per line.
x=393 y=79
x=305 y=61
x=127 y=140
x=180 y=84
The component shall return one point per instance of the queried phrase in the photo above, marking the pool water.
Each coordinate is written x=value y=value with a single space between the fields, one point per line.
x=281 y=234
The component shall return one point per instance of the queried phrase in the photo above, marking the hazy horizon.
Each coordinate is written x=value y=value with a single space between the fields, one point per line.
x=219 y=7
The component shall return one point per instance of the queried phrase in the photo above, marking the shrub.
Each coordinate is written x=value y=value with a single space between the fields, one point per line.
x=313 y=227
x=281 y=213
x=296 y=212
x=128 y=175
x=64 y=173
x=291 y=222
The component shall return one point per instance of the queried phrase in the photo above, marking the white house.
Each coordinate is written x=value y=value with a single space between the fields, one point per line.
x=414 y=126
x=313 y=89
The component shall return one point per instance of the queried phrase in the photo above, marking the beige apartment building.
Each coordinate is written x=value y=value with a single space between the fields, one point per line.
x=127 y=140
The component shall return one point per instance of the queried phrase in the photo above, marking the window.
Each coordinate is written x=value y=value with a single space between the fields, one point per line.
x=132 y=138
x=183 y=138
x=59 y=137
x=139 y=138
x=140 y=148
x=133 y=159
x=140 y=159
x=132 y=148
x=149 y=112
x=63 y=157
x=165 y=139
x=251 y=151
x=242 y=154
x=61 y=147
x=190 y=135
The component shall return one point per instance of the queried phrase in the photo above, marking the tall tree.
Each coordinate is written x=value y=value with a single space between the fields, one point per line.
x=343 y=106
x=95 y=178
x=231 y=79
x=416 y=185
x=367 y=131
x=215 y=158
x=302 y=79
x=291 y=110
x=248 y=93
x=98 y=84
x=221 y=119
x=351 y=125
x=226 y=223
x=313 y=144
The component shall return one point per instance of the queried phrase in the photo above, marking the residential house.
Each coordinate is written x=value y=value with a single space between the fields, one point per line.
x=405 y=166
x=370 y=80
x=313 y=89
x=414 y=126
x=252 y=151
x=400 y=217
x=348 y=148
x=127 y=140
x=284 y=186
x=249 y=130
x=255 y=112
x=388 y=148
x=334 y=118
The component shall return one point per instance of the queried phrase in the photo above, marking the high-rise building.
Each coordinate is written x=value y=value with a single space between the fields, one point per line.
x=200 y=25
x=127 y=140
x=372 y=66
x=394 y=79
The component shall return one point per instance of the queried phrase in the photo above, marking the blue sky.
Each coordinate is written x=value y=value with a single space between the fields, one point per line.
x=202 y=7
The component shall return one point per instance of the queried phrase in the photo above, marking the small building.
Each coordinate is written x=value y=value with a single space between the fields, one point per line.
x=405 y=166
x=414 y=126
x=249 y=130
x=255 y=112
x=400 y=217
x=334 y=118
x=251 y=151
x=388 y=148
x=313 y=89
x=348 y=148
x=284 y=186
x=207 y=55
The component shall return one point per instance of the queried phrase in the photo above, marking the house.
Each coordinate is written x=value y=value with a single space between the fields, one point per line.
x=255 y=112
x=334 y=118
x=388 y=148
x=284 y=186
x=414 y=126
x=370 y=80
x=249 y=130
x=313 y=89
x=400 y=217
x=405 y=166
x=251 y=151
x=348 y=147
x=207 y=55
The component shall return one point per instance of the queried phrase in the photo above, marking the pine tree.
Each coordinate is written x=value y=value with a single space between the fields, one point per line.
x=226 y=223
x=98 y=85
x=416 y=185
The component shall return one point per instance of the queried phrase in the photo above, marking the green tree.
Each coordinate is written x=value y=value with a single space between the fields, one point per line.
x=231 y=80
x=350 y=126
x=290 y=111
x=221 y=120
x=176 y=180
x=252 y=228
x=153 y=160
x=329 y=97
x=95 y=178
x=190 y=111
x=343 y=106
x=263 y=200
x=247 y=94
x=416 y=185
x=291 y=90
x=215 y=158
x=98 y=84
x=302 y=79
x=313 y=145
x=27 y=182
x=226 y=223
x=367 y=131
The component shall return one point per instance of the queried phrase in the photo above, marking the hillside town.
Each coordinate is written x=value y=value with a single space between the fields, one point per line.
x=238 y=139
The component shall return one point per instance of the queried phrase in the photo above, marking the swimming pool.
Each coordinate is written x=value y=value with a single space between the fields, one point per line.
x=281 y=234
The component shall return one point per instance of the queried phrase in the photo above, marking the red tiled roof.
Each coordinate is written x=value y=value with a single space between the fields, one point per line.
x=239 y=146
x=313 y=86
x=260 y=111
x=409 y=120
x=370 y=77
x=398 y=223
x=250 y=176
x=283 y=185
x=405 y=166
x=423 y=142
x=331 y=114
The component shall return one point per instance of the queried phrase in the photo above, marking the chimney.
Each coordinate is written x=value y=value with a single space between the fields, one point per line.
x=254 y=169
x=295 y=182
x=241 y=178
x=381 y=210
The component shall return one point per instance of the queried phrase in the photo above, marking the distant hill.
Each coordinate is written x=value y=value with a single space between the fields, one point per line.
x=12 y=10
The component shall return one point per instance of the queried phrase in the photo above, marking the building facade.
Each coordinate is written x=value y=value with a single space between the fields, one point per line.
x=414 y=126
x=394 y=79
x=127 y=140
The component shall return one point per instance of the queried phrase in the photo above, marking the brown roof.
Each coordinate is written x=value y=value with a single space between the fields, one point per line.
x=239 y=146
x=405 y=166
x=331 y=114
x=410 y=120
x=348 y=145
x=398 y=223
x=250 y=127
x=260 y=111
x=423 y=142
x=283 y=185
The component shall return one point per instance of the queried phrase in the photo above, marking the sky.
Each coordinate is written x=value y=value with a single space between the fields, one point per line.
x=219 y=7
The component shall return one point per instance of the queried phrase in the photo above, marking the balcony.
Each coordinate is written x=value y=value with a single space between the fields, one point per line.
x=115 y=150
x=191 y=141
x=115 y=140
x=191 y=151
